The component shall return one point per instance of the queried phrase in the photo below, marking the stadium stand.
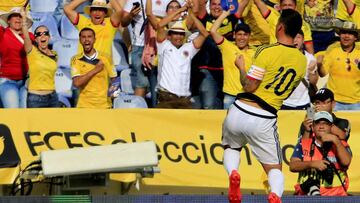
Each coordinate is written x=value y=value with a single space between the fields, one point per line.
x=63 y=82
x=65 y=49
x=127 y=99
x=125 y=82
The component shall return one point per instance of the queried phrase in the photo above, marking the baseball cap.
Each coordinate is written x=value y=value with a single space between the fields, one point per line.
x=323 y=115
x=322 y=95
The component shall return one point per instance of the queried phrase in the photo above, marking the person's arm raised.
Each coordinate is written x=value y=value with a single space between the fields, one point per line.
x=150 y=15
x=70 y=10
x=264 y=10
x=27 y=41
x=199 y=40
x=213 y=31
x=116 y=16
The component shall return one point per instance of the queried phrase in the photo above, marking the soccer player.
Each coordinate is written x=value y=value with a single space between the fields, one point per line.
x=276 y=70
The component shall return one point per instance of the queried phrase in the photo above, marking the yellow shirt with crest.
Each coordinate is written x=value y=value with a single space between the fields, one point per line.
x=94 y=94
x=42 y=70
x=342 y=13
x=344 y=74
x=230 y=51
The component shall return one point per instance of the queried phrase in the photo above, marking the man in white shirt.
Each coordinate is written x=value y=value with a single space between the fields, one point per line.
x=175 y=63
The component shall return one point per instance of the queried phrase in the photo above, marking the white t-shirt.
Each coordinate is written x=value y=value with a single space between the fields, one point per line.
x=137 y=38
x=175 y=67
x=159 y=7
x=300 y=96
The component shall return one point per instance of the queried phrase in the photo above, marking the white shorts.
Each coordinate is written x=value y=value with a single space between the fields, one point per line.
x=247 y=124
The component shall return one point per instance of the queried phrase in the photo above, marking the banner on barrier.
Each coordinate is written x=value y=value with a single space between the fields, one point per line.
x=188 y=142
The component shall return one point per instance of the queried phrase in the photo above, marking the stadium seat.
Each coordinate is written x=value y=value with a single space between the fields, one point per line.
x=63 y=81
x=125 y=82
x=67 y=29
x=119 y=57
x=129 y=101
x=44 y=5
x=64 y=101
x=49 y=21
x=65 y=49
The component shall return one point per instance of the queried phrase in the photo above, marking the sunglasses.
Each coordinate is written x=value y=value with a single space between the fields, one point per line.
x=348 y=65
x=38 y=34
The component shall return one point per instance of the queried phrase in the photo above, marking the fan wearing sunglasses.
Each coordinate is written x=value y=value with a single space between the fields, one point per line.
x=42 y=68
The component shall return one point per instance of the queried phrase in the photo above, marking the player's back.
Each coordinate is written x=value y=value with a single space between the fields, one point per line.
x=285 y=66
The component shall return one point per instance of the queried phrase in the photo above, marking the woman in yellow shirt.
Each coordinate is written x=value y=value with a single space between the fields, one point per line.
x=42 y=68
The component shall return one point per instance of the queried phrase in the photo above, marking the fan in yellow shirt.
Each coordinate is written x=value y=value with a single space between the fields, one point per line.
x=350 y=11
x=42 y=67
x=229 y=53
x=272 y=16
x=102 y=20
x=91 y=73
x=341 y=63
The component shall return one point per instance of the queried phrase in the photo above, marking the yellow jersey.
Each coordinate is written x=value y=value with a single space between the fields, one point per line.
x=104 y=35
x=280 y=69
x=342 y=13
x=344 y=74
x=230 y=51
x=94 y=94
x=260 y=30
x=42 y=70
x=355 y=16
x=273 y=18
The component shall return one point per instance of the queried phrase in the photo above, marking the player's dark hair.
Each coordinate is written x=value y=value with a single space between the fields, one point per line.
x=292 y=22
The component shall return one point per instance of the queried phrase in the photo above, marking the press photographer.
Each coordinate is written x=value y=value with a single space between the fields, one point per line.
x=321 y=160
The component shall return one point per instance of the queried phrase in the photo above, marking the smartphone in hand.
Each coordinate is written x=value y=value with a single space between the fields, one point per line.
x=310 y=111
x=136 y=5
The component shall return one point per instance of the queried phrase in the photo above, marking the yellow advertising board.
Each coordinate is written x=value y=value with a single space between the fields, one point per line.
x=188 y=142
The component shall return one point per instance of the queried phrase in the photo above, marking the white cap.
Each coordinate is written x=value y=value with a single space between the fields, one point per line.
x=323 y=115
